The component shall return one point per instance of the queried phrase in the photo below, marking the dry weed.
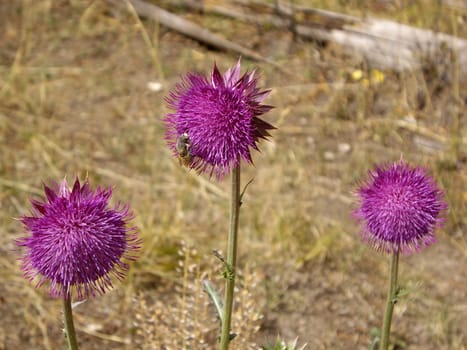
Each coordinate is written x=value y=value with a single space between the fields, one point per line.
x=186 y=318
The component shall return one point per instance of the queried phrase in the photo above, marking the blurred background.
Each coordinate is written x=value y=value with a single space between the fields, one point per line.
x=82 y=86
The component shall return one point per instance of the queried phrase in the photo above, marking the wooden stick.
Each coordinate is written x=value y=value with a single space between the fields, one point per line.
x=190 y=29
x=385 y=44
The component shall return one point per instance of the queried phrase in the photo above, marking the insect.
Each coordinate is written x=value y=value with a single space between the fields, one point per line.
x=183 y=148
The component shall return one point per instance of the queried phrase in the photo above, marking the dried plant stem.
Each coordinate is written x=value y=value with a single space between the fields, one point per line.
x=390 y=302
x=69 y=325
x=231 y=258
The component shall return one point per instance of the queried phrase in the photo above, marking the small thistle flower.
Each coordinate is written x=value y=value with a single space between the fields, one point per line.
x=217 y=118
x=76 y=241
x=401 y=208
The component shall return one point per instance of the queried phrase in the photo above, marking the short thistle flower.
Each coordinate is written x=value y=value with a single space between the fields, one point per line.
x=77 y=241
x=401 y=208
x=215 y=121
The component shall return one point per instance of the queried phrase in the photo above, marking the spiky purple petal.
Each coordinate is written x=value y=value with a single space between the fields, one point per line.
x=400 y=207
x=220 y=116
x=77 y=242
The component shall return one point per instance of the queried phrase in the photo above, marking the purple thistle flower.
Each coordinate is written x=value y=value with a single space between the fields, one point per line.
x=216 y=122
x=401 y=208
x=76 y=241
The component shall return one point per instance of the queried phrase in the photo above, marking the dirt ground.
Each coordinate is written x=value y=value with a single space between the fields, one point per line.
x=77 y=97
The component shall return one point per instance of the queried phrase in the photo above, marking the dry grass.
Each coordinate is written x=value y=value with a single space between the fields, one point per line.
x=74 y=101
x=188 y=310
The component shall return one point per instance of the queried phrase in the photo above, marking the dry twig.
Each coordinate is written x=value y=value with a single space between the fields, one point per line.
x=385 y=44
x=190 y=29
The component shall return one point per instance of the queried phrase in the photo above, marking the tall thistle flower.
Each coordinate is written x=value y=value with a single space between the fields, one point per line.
x=401 y=207
x=215 y=121
x=77 y=243
x=214 y=125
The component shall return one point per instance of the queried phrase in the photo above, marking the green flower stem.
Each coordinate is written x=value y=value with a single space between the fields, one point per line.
x=231 y=259
x=69 y=326
x=390 y=302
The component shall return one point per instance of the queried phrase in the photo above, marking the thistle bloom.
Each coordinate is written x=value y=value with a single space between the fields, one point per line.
x=77 y=241
x=401 y=208
x=216 y=119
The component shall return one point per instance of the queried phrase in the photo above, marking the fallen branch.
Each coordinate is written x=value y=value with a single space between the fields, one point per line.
x=384 y=44
x=189 y=29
